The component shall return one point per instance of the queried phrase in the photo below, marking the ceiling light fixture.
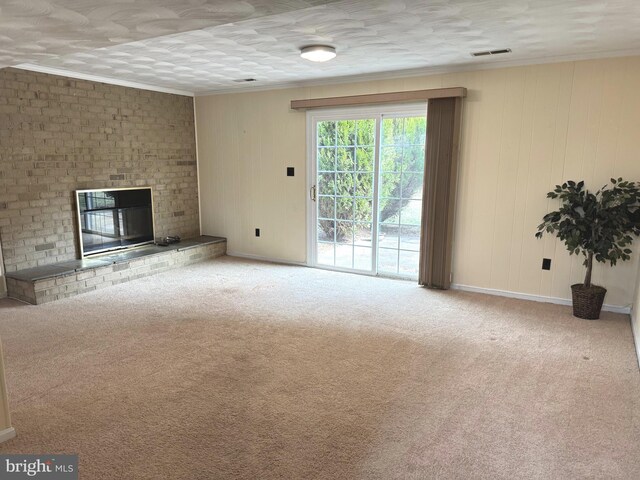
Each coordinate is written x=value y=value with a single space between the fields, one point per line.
x=318 y=53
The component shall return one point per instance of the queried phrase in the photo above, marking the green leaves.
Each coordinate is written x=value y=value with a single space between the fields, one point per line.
x=601 y=223
x=346 y=153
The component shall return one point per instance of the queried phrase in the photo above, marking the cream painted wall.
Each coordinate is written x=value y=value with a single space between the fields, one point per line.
x=524 y=130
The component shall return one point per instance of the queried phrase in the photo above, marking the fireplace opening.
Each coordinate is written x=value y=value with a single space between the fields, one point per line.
x=114 y=219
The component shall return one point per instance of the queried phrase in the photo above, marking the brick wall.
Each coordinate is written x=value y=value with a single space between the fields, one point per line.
x=59 y=134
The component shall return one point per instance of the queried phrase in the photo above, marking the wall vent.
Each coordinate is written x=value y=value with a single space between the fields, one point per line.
x=491 y=52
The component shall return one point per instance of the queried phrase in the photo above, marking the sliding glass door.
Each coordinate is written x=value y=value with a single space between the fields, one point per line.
x=366 y=191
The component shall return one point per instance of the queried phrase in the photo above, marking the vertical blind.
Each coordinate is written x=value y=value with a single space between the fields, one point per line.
x=439 y=191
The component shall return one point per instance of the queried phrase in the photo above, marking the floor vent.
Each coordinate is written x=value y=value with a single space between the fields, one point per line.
x=491 y=52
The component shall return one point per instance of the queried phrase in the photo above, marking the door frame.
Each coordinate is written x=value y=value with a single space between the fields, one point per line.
x=348 y=113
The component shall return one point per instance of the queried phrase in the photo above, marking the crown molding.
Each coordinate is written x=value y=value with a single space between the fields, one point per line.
x=420 y=72
x=100 y=79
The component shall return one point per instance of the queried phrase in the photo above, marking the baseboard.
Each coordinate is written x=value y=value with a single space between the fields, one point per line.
x=634 y=334
x=7 y=434
x=265 y=259
x=534 y=298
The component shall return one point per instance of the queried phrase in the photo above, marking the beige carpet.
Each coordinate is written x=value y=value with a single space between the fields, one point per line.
x=238 y=369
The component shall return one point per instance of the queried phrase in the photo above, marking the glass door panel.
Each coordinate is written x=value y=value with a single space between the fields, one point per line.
x=345 y=187
x=400 y=204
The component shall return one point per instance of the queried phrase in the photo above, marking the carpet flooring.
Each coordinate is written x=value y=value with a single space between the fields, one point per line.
x=235 y=369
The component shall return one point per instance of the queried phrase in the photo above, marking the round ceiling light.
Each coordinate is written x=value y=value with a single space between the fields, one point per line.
x=318 y=53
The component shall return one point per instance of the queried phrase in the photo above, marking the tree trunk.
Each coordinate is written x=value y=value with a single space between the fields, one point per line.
x=587 y=277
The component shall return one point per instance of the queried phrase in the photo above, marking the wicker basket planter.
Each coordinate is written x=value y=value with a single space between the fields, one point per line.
x=587 y=301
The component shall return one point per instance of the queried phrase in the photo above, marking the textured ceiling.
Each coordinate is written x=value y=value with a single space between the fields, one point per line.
x=32 y=30
x=371 y=36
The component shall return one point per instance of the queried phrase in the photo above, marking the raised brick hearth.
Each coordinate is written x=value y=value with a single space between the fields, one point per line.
x=66 y=279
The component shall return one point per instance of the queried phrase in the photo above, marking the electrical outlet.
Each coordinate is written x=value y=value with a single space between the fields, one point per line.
x=290 y=171
x=546 y=264
x=257 y=232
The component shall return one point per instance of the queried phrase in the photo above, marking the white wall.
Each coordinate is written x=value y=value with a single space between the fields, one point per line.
x=524 y=130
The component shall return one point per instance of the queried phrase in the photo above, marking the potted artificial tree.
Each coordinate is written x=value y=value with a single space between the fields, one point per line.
x=597 y=225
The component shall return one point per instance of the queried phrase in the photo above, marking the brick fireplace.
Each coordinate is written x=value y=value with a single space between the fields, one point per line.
x=60 y=134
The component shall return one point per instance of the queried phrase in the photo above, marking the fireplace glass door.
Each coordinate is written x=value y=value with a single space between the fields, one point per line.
x=114 y=219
